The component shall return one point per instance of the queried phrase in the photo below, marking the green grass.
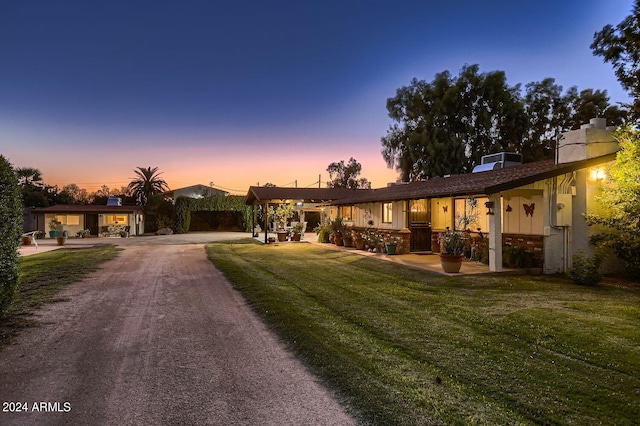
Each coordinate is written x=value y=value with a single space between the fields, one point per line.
x=506 y=350
x=42 y=275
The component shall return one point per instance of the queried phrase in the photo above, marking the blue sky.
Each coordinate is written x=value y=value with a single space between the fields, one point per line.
x=232 y=92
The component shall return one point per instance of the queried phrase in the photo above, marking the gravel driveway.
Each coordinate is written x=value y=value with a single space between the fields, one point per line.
x=157 y=337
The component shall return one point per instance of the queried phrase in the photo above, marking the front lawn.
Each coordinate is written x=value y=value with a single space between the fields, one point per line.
x=42 y=275
x=406 y=346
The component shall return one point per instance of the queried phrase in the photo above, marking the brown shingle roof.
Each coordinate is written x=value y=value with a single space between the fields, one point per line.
x=70 y=208
x=488 y=182
x=262 y=194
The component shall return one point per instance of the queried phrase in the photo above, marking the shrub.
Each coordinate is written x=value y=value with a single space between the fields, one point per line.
x=620 y=198
x=516 y=257
x=586 y=271
x=10 y=233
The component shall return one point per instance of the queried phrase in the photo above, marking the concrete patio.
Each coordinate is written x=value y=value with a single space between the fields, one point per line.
x=427 y=261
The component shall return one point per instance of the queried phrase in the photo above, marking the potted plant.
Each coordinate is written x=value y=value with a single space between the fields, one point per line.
x=347 y=237
x=297 y=231
x=359 y=241
x=323 y=233
x=83 y=233
x=62 y=237
x=281 y=214
x=337 y=230
x=390 y=244
x=53 y=227
x=452 y=245
x=26 y=240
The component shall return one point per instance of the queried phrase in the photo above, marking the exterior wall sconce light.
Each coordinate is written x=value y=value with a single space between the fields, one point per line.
x=597 y=174
x=489 y=205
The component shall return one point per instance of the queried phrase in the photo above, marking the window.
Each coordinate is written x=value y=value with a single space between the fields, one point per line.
x=117 y=220
x=68 y=219
x=419 y=211
x=346 y=212
x=387 y=212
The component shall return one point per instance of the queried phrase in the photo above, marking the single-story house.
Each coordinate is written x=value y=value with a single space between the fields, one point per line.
x=537 y=207
x=100 y=220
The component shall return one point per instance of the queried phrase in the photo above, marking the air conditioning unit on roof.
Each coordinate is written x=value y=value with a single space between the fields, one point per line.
x=498 y=161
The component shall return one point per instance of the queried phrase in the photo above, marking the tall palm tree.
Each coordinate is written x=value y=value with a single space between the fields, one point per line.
x=147 y=183
x=28 y=176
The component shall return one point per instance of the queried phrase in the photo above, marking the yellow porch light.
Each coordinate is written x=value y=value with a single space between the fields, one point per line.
x=597 y=174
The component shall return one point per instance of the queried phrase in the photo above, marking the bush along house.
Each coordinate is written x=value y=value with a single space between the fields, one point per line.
x=527 y=214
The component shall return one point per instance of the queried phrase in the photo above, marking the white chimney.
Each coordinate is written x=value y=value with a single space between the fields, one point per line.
x=589 y=141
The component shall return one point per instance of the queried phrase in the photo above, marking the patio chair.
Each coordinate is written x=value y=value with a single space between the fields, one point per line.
x=32 y=234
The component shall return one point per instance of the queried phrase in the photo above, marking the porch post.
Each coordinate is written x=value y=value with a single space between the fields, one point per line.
x=495 y=234
x=266 y=221
x=253 y=221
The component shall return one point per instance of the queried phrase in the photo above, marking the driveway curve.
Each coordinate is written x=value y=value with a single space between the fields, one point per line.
x=158 y=336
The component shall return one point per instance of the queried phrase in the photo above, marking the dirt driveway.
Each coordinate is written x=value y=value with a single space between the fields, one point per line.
x=157 y=337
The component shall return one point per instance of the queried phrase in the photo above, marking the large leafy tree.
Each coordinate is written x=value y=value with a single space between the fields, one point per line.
x=551 y=112
x=621 y=196
x=595 y=103
x=346 y=175
x=548 y=112
x=447 y=125
x=101 y=196
x=620 y=45
x=73 y=194
x=147 y=183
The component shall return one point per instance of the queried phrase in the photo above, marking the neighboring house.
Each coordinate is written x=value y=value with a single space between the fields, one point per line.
x=101 y=221
x=537 y=206
x=194 y=191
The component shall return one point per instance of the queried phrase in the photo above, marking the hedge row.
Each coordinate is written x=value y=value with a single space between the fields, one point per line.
x=10 y=233
x=216 y=203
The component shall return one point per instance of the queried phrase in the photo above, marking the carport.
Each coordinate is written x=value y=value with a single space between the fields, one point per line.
x=305 y=201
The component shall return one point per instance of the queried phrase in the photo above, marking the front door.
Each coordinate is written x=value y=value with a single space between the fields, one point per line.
x=420 y=225
x=91 y=223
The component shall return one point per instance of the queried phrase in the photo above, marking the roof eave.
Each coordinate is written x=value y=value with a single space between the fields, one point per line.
x=566 y=168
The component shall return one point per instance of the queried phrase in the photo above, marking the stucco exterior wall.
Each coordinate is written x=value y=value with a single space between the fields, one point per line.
x=74 y=222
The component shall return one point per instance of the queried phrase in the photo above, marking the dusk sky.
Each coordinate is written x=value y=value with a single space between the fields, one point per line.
x=246 y=92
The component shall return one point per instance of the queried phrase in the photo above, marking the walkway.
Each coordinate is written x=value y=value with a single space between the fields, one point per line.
x=430 y=262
